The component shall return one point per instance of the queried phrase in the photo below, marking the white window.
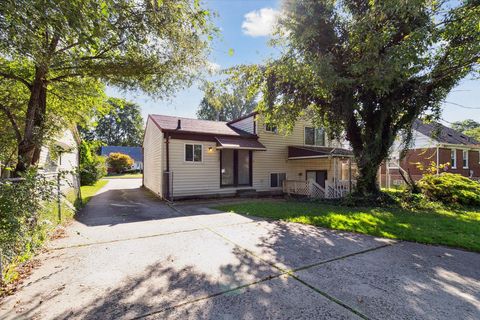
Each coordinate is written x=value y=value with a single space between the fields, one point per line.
x=193 y=152
x=314 y=136
x=271 y=128
x=453 y=158
x=276 y=179
x=465 y=159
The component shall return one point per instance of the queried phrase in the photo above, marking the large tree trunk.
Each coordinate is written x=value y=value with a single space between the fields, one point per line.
x=34 y=123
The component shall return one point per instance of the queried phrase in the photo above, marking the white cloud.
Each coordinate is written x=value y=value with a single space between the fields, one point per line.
x=260 y=23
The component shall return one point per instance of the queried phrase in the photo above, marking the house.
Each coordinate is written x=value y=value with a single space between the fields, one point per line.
x=437 y=144
x=134 y=152
x=191 y=158
x=61 y=155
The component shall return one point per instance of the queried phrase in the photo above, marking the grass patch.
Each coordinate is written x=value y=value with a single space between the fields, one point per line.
x=458 y=227
x=89 y=191
x=124 y=176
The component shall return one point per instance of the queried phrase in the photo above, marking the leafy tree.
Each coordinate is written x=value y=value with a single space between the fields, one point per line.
x=121 y=126
x=469 y=127
x=119 y=162
x=367 y=69
x=92 y=166
x=465 y=125
x=228 y=99
x=62 y=51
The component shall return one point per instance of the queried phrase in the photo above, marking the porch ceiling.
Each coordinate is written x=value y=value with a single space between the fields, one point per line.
x=239 y=143
x=311 y=152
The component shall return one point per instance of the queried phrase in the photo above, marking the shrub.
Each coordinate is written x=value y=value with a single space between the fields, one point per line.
x=25 y=217
x=451 y=189
x=119 y=162
x=92 y=166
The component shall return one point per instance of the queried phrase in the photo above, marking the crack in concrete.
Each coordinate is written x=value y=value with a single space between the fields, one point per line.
x=288 y=272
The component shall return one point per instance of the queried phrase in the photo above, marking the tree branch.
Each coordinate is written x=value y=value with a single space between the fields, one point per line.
x=10 y=116
x=14 y=77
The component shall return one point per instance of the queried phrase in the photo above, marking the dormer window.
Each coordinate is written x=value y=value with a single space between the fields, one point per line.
x=314 y=136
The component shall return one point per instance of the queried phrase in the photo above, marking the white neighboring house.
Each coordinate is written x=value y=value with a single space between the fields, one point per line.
x=61 y=154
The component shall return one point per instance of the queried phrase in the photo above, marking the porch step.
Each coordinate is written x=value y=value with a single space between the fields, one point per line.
x=247 y=193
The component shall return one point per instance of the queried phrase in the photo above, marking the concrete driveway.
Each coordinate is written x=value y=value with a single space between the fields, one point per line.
x=129 y=256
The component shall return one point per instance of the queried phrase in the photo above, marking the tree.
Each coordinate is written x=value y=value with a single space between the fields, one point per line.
x=121 y=126
x=469 y=127
x=368 y=69
x=465 y=125
x=228 y=99
x=56 y=48
x=119 y=162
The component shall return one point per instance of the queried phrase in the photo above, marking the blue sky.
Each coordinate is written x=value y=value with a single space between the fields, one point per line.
x=250 y=46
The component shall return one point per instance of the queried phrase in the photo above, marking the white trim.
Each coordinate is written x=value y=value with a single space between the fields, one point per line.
x=240 y=148
x=455 y=158
x=465 y=158
x=193 y=152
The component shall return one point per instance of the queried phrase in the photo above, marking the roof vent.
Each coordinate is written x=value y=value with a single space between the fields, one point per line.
x=179 y=124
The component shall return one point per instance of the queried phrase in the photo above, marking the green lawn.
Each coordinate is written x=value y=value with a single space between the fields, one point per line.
x=124 y=176
x=89 y=191
x=456 y=228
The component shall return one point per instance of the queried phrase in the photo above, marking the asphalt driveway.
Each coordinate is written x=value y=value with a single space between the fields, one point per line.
x=129 y=255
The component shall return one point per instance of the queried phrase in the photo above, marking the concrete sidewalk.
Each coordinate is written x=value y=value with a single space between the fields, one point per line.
x=129 y=255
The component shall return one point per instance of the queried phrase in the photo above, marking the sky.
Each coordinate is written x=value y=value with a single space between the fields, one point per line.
x=245 y=26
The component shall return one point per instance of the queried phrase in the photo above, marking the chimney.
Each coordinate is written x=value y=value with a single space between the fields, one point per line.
x=179 y=125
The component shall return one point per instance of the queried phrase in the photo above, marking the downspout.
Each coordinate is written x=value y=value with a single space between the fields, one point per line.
x=167 y=154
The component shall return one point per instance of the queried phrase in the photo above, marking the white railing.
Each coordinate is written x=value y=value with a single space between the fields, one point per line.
x=306 y=188
x=339 y=189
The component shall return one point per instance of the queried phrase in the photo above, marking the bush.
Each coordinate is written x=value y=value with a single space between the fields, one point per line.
x=26 y=216
x=451 y=189
x=92 y=166
x=119 y=162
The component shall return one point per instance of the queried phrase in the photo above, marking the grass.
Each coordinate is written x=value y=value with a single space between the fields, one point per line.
x=441 y=226
x=124 y=176
x=89 y=191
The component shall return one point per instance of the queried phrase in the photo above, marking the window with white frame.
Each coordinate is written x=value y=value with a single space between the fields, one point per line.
x=453 y=158
x=276 y=179
x=271 y=128
x=465 y=159
x=314 y=136
x=193 y=152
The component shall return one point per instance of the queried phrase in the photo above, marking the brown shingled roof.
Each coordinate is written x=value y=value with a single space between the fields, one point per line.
x=170 y=123
x=443 y=134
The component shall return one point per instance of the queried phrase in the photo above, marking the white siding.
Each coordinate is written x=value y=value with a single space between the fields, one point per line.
x=275 y=159
x=153 y=158
x=247 y=124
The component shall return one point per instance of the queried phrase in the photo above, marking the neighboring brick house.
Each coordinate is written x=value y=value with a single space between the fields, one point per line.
x=433 y=142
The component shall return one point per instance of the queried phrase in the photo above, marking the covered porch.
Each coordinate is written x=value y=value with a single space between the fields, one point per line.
x=319 y=172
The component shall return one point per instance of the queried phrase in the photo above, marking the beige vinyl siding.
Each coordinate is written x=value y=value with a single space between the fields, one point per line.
x=247 y=124
x=153 y=158
x=275 y=159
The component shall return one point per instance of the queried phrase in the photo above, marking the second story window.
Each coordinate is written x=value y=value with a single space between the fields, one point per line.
x=271 y=128
x=465 y=159
x=314 y=136
x=453 y=158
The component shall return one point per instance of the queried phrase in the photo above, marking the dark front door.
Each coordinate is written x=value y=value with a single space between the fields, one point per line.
x=319 y=176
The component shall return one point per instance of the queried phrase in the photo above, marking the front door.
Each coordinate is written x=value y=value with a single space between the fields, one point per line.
x=319 y=176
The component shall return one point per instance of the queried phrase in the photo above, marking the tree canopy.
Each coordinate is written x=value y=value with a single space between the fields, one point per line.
x=469 y=127
x=367 y=69
x=227 y=99
x=121 y=126
x=65 y=51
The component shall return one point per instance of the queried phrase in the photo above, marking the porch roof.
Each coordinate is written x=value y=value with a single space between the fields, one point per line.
x=311 y=152
x=239 y=143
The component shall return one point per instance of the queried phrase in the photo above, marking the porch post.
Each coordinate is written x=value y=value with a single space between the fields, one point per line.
x=349 y=174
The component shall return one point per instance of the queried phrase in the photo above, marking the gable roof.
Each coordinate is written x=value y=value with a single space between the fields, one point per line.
x=134 y=152
x=443 y=134
x=188 y=125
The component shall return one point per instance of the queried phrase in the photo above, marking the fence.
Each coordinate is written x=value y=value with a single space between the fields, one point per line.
x=59 y=185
